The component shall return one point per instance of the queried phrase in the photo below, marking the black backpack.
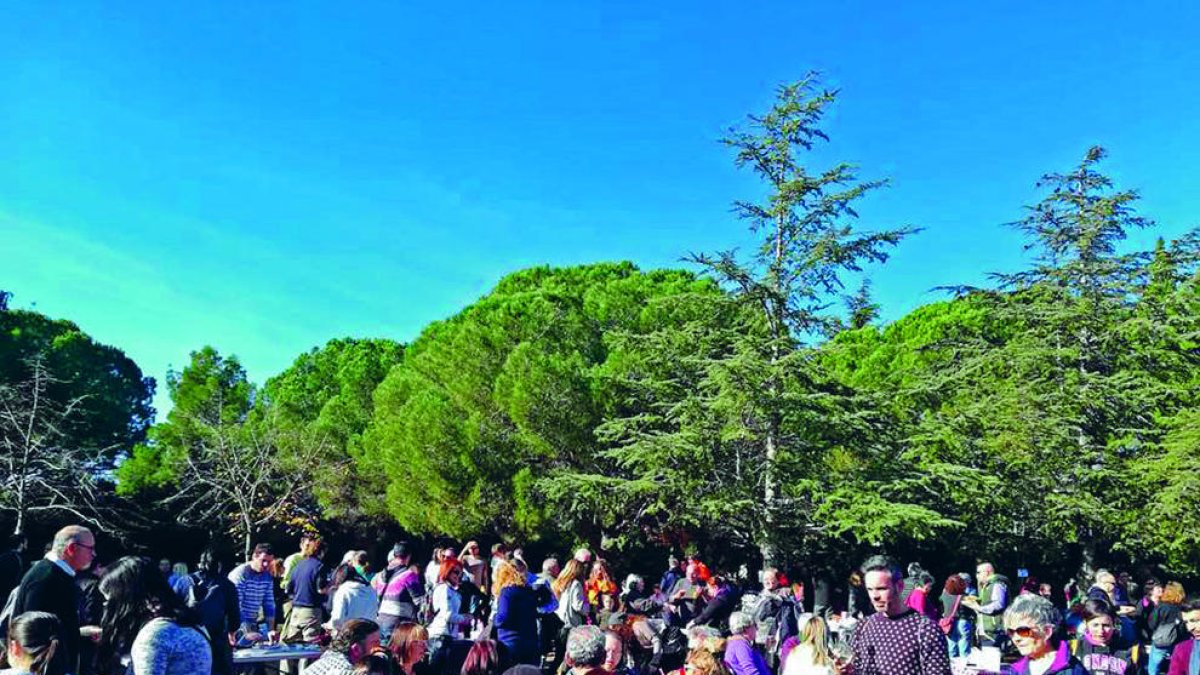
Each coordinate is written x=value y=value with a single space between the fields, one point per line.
x=1167 y=635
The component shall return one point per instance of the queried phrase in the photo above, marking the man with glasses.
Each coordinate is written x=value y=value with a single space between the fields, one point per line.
x=49 y=586
x=895 y=640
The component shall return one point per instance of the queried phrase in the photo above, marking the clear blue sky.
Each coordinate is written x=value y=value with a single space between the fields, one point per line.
x=265 y=176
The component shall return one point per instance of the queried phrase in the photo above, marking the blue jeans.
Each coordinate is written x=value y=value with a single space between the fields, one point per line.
x=959 y=639
x=1156 y=657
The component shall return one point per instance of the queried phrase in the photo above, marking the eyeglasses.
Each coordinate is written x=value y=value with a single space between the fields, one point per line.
x=91 y=548
x=1021 y=631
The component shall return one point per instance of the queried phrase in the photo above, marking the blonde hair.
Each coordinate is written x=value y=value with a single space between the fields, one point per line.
x=706 y=659
x=572 y=572
x=1173 y=593
x=815 y=634
x=507 y=575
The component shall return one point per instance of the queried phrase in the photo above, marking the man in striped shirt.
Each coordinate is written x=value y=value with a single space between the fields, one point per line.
x=256 y=592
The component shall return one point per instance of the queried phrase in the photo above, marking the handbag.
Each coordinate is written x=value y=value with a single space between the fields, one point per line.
x=946 y=623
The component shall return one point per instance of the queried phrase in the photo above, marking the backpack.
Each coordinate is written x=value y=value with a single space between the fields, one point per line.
x=1167 y=635
x=6 y=614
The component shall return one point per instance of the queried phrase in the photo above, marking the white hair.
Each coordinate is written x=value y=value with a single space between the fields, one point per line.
x=739 y=623
x=1033 y=607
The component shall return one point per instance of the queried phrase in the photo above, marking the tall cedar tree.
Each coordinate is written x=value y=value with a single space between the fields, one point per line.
x=735 y=424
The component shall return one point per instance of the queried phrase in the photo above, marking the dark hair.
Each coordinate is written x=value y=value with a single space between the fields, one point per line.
x=880 y=563
x=1192 y=605
x=209 y=562
x=1094 y=608
x=351 y=633
x=483 y=659
x=136 y=592
x=375 y=664
x=261 y=548
x=924 y=579
x=955 y=585
x=38 y=635
x=341 y=574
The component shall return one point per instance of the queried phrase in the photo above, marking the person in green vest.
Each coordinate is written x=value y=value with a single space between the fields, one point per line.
x=990 y=605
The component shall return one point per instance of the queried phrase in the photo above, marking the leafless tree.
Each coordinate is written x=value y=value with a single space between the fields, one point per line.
x=248 y=473
x=44 y=470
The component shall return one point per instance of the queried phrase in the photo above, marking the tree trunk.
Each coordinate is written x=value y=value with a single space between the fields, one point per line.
x=249 y=536
x=766 y=544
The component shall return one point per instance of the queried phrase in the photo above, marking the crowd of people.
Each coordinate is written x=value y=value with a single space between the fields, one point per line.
x=466 y=614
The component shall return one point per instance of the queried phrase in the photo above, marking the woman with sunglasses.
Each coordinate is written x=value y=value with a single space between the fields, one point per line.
x=1094 y=648
x=1031 y=622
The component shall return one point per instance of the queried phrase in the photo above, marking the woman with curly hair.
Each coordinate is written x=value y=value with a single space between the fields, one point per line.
x=146 y=627
x=516 y=616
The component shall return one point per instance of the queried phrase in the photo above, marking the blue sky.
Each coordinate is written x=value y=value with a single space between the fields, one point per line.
x=266 y=176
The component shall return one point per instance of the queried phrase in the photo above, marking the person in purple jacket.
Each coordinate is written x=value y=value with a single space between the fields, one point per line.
x=1185 y=660
x=740 y=653
x=1031 y=622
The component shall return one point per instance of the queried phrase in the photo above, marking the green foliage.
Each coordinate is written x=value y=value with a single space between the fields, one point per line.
x=114 y=398
x=328 y=392
x=500 y=393
x=211 y=390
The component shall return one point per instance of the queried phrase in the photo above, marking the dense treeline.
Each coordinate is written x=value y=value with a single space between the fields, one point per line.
x=1050 y=418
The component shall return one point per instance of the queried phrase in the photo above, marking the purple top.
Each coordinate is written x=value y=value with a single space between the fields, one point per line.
x=1063 y=663
x=743 y=659
x=906 y=644
x=1181 y=658
x=404 y=587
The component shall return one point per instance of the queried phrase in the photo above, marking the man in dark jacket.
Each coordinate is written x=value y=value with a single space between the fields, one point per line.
x=49 y=586
x=12 y=566
x=216 y=598
x=722 y=601
x=91 y=612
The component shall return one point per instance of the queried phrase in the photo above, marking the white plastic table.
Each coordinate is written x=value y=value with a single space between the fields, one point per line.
x=283 y=655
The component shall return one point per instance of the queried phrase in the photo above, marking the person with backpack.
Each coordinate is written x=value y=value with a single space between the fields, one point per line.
x=1096 y=645
x=401 y=591
x=215 y=598
x=12 y=565
x=1166 y=627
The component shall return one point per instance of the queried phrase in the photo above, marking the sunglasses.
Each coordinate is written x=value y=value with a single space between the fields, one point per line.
x=1021 y=631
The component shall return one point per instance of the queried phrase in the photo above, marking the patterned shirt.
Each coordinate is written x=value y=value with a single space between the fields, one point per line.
x=164 y=647
x=256 y=590
x=906 y=644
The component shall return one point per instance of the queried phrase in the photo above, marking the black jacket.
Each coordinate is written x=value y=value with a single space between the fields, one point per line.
x=716 y=612
x=47 y=588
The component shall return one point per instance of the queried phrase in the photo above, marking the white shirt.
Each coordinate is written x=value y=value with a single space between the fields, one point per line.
x=62 y=564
